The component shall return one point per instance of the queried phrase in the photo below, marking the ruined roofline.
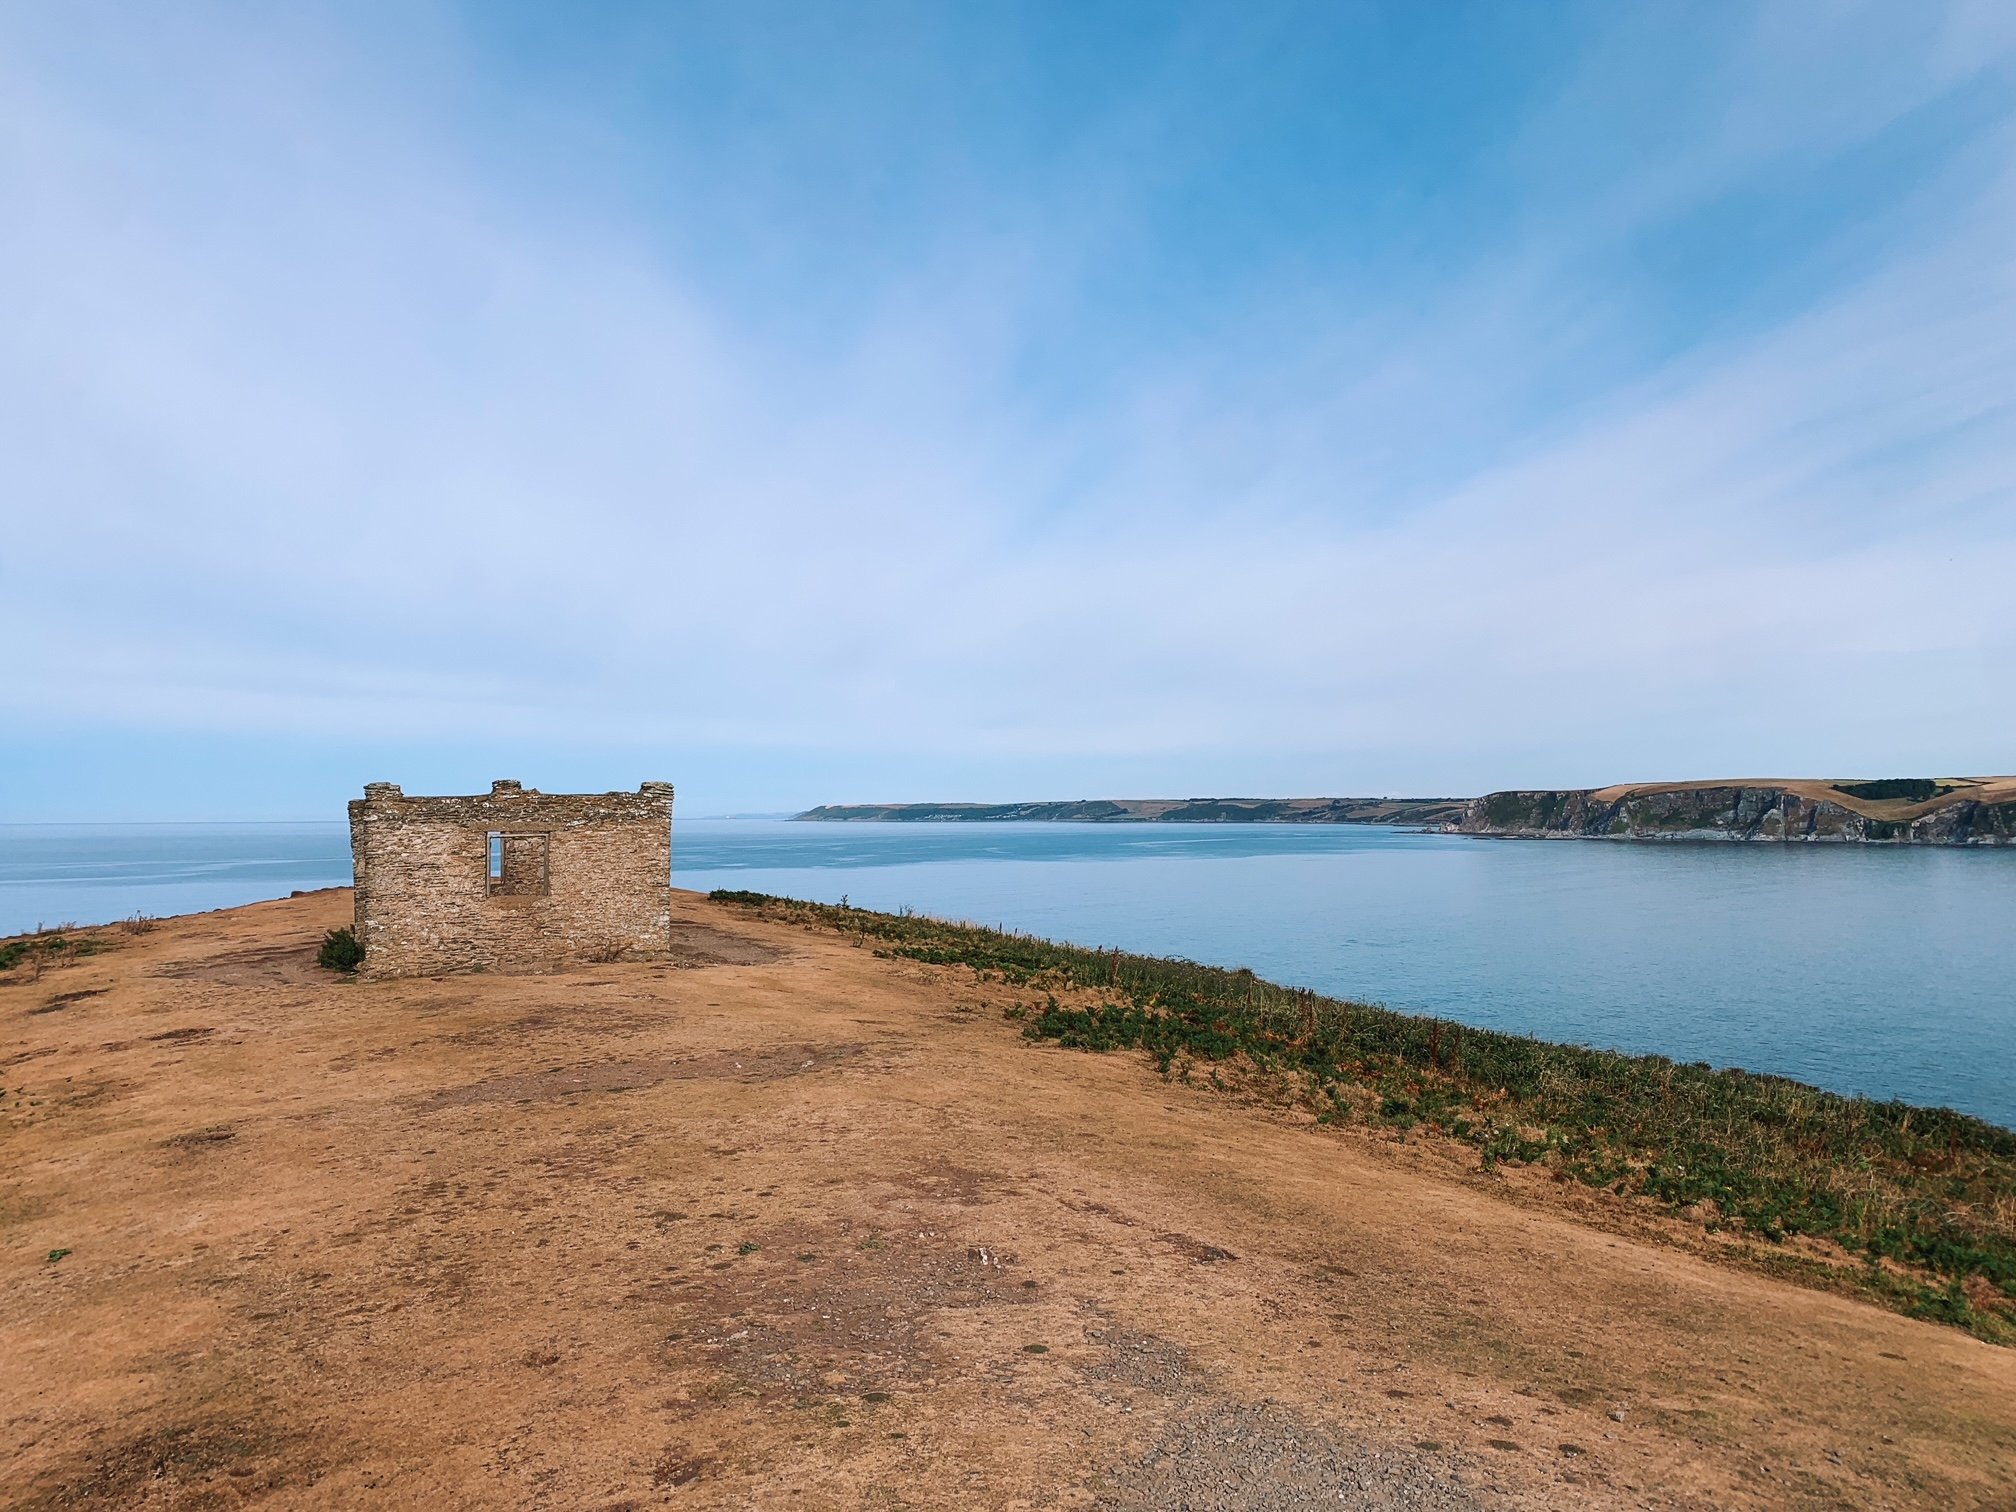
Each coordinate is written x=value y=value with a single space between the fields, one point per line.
x=505 y=787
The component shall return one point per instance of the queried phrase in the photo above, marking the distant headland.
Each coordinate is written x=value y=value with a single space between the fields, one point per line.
x=1892 y=811
x=1424 y=812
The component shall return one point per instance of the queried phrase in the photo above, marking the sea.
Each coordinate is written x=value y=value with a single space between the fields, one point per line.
x=1888 y=972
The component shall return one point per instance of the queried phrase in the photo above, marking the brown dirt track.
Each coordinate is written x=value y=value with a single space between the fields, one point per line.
x=787 y=1225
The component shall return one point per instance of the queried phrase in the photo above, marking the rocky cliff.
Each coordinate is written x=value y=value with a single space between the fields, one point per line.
x=1897 y=811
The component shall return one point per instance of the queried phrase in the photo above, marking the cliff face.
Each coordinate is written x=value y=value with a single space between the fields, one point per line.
x=1963 y=812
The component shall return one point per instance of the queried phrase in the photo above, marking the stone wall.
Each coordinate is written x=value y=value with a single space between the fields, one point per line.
x=512 y=881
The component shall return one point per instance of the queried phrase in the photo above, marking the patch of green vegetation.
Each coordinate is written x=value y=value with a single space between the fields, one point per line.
x=1915 y=789
x=1537 y=811
x=1925 y=1197
x=49 y=948
x=340 y=950
x=1227 y=811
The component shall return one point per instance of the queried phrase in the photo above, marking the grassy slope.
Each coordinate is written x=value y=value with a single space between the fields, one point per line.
x=1913 y=1206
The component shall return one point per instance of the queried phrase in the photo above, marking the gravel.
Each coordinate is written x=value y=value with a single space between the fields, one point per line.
x=1218 y=1454
x=1245 y=1457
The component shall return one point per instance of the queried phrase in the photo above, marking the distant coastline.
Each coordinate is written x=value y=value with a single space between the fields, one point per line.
x=1888 y=811
x=1425 y=813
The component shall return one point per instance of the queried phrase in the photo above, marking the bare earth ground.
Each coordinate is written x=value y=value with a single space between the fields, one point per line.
x=786 y=1225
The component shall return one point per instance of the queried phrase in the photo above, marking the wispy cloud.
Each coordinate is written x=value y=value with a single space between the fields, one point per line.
x=326 y=415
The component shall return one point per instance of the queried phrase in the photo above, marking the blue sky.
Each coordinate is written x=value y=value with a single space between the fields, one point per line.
x=807 y=403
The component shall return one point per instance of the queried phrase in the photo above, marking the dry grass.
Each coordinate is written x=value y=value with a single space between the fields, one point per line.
x=1916 y=1199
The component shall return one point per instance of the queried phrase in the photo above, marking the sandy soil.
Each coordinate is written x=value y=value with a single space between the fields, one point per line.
x=786 y=1225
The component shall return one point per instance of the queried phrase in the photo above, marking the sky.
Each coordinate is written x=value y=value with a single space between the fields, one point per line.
x=806 y=403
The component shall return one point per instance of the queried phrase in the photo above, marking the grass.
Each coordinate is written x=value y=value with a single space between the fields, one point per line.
x=51 y=947
x=1921 y=1202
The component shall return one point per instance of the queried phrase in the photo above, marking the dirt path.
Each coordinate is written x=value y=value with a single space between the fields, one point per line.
x=786 y=1225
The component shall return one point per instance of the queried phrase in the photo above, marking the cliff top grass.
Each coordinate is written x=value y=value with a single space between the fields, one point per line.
x=1914 y=1207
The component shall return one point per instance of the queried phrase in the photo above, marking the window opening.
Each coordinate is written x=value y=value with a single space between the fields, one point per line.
x=517 y=864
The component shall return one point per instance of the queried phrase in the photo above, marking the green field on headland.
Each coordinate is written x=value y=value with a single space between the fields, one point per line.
x=1915 y=1207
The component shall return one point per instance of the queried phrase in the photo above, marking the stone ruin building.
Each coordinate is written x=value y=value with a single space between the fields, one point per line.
x=512 y=881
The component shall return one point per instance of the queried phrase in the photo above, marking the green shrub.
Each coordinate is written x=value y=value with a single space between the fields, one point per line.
x=340 y=950
x=49 y=947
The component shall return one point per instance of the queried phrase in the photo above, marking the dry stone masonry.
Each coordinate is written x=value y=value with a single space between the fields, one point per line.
x=512 y=881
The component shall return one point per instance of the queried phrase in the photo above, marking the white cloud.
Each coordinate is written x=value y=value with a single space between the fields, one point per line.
x=317 y=421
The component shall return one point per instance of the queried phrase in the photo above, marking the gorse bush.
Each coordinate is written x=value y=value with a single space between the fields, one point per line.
x=340 y=950
x=1921 y=1200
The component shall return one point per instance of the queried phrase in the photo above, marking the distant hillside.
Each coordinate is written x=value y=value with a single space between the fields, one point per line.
x=1894 y=811
x=1422 y=811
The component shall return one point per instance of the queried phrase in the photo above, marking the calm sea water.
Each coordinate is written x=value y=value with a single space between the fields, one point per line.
x=1887 y=972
